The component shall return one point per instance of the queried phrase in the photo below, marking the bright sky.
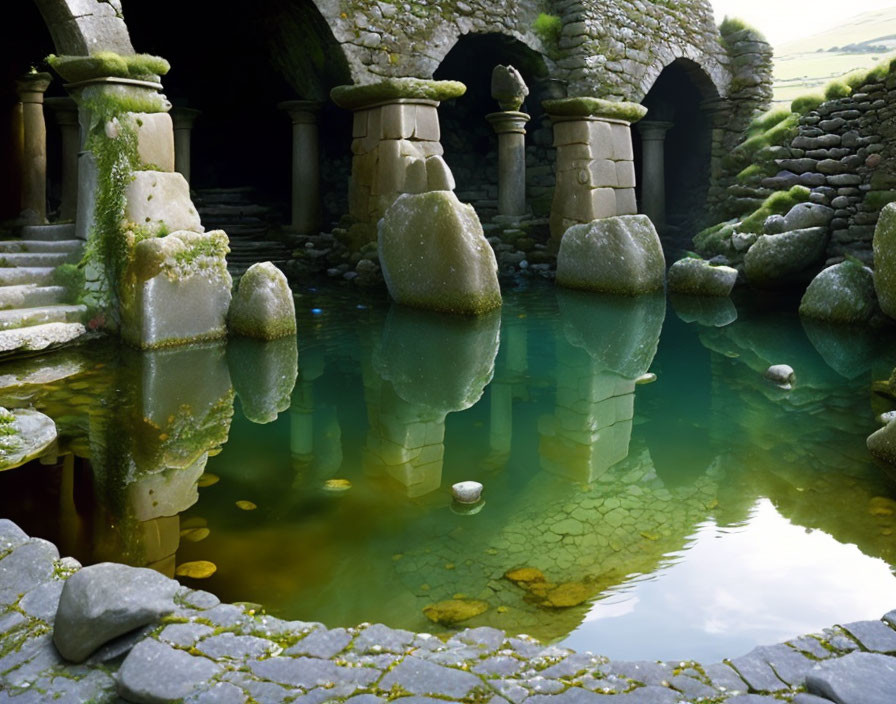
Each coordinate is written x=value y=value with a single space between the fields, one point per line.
x=783 y=21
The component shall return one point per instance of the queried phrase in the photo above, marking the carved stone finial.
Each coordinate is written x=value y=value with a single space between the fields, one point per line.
x=508 y=88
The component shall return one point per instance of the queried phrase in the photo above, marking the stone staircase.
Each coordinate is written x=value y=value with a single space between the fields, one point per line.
x=34 y=314
x=248 y=222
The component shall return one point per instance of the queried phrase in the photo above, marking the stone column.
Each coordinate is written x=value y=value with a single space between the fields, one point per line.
x=653 y=170
x=510 y=127
x=31 y=89
x=306 y=213
x=595 y=161
x=183 y=119
x=66 y=113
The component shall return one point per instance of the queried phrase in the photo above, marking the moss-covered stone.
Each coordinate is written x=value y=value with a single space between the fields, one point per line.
x=354 y=97
x=263 y=307
x=621 y=255
x=843 y=293
x=595 y=107
x=785 y=259
x=778 y=203
x=106 y=64
x=699 y=277
x=885 y=260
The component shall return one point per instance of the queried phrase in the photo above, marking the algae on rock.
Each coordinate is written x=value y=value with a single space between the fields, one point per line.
x=263 y=306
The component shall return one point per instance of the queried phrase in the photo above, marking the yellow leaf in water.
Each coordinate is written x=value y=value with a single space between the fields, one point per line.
x=163 y=437
x=200 y=569
x=194 y=535
x=337 y=485
x=208 y=479
x=246 y=505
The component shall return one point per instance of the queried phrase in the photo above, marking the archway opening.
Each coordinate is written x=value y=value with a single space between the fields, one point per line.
x=236 y=73
x=24 y=44
x=470 y=142
x=682 y=129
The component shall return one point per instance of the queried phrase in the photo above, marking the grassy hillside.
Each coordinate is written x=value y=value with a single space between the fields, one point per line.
x=808 y=64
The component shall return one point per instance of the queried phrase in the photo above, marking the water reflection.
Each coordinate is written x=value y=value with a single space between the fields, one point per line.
x=604 y=488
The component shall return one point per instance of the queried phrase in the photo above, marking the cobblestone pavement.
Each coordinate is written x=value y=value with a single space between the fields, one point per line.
x=209 y=652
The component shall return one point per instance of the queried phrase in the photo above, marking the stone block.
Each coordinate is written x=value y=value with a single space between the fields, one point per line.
x=158 y=201
x=601 y=140
x=427 y=124
x=398 y=121
x=176 y=290
x=359 y=124
x=416 y=178
x=622 y=143
x=626 y=202
x=571 y=132
x=569 y=153
x=600 y=203
x=625 y=174
x=603 y=173
x=155 y=140
x=438 y=175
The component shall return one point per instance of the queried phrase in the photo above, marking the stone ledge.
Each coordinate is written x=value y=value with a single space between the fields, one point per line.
x=213 y=652
x=362 y=96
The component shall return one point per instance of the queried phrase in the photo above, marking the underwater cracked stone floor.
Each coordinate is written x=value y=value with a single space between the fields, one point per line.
x=207 y=651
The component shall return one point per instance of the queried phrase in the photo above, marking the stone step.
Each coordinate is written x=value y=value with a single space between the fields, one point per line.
x=49 y=232
x=29 y=317
x=17 y=275
x=30 y=296
x=39 y=337
x=31 y=259
x=67 y=246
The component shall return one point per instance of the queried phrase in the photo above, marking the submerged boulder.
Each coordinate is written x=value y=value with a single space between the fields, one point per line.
x=885 y=260
x=620 y=254
x=263 y=306
x=434 y=255
x=697 y=277
x=843 y=293
x=779 y=260
x=882 y=444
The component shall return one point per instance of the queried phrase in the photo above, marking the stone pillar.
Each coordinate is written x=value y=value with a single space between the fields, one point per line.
x=595 y=161
x=395 y=146
x=31 y=89
x=306 y=213
x=183 y=119
x=653 y=170
x=66 y=113
x=510 y=127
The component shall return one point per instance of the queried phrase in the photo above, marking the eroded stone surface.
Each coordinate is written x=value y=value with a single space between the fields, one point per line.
x=263 y=305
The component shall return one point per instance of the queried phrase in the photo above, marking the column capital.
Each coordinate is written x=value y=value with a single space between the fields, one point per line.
x=302 y=112
x=508 y=121
x=654 y=130
x=32 y=86
x=184 y=118
x=64 y=109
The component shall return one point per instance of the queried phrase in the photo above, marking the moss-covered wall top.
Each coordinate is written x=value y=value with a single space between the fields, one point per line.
x=598 y=47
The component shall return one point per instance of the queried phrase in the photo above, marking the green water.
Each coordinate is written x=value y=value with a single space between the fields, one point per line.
x=692 y=517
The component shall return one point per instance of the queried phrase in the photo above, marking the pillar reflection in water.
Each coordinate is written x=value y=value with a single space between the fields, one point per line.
x=509 y=383
x=148 y=455
x=264 y=375
x=606 y=343
x=427 y=366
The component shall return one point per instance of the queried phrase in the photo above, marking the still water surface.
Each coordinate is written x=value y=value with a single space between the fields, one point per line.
x=692 y=517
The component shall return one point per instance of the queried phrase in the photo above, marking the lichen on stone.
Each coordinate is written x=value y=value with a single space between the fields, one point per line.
x=595 y=107
x=357 y=96
x=107 y=64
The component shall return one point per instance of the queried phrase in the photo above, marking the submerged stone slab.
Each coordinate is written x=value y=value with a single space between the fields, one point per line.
x=154 y=673
x=263 y=306
x=434 y=255
x=104 y=601
x=857 y=678
x=176 y=290
x=620 y=255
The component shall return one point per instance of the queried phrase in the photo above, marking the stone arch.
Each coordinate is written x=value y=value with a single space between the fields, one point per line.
x=82 y=27
x=705 y=72
x=469 y=140
x=673 y=150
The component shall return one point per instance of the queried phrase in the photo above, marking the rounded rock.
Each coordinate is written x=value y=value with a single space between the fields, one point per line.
x=466 y=492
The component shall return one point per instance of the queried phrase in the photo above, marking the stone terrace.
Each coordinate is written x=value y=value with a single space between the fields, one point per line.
x=206 y=651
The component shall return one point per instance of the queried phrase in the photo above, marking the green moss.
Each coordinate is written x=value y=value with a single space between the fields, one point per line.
x=735 y=25
x=770 y=119
x=71 y=278
x=876 y=200
x=548 y=28
x=358 y=96
x=807 y=103
x=595 y=107
x=837 y=89
x=752 y=173
x=106 y=64
x=778 y=203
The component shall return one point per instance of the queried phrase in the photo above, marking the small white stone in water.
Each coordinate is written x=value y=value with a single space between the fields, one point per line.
x=887 y=418
x=781 y=374
x=466 y=492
